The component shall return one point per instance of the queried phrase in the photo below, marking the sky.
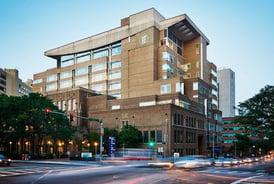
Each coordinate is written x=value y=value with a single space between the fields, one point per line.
x=241 y=32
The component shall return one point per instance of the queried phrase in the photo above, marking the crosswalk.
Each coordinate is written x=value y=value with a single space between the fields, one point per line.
x=260 y=176
x=229 y=172
x=16 y=171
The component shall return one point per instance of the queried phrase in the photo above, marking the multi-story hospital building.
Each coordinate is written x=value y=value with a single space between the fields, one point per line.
x=150 y=72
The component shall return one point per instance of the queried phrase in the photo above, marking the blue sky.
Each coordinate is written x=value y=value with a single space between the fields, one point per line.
x=241 y=32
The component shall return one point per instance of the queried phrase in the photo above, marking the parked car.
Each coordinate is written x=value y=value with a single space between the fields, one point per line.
x=191 y=162
x=4 y=160
x=223 y=162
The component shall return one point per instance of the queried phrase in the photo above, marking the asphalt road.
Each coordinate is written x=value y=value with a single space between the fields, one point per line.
x=130 y=173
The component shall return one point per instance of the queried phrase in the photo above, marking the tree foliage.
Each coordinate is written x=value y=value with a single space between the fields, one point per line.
x=23 y=118
x=258 y=112
x=130 y=136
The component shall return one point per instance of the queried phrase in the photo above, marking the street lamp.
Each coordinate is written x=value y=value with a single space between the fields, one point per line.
x=95 y=144
x=10 y=145
x=28 y=146
x=88 y=146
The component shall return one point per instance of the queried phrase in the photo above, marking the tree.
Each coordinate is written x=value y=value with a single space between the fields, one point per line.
x=130 y=136
x=258 y=112
x=23 y=119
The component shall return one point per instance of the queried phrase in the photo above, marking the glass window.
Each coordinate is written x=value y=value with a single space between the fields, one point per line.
x=178 y=87
x=115 y=85
x=165 y=88
x=66 y=74
x=67 y=57
x=115 y=75
x=195 y=85
x=67 y=60
x=81 y=80
x=59 y=105
x=115 y=64
x=99 y=66
x=152 y=135
x=66 y=84
x=214 y=82
x=37 y=81
x=51 y=78
x=116 y=50
x=167 y=68
x=99 y=87
x=64 y=105
x=51 y=87
x=99 y=77
x=102 y=52
x=74 y=104
x=145 y=136
x=81 y=71
x=165 y=77
x=159 y=136
x=168 y=57
x=82 y=57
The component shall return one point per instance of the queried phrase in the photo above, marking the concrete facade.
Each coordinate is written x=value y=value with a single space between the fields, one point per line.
x=11 y=84
x=226 y=80
x=150 y=72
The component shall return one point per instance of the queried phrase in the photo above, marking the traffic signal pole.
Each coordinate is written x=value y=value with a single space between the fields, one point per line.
x=86 y=118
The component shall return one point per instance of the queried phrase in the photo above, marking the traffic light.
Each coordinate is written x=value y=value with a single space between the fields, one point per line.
x=151 y=144
x=47 y=113
x=71 y=115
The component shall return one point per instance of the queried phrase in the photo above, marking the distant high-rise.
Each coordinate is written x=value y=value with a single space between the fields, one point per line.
x=226 y=80
x=11 y=84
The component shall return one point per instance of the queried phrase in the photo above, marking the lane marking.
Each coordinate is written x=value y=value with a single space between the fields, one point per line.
x=41 y=177
x=245 y=179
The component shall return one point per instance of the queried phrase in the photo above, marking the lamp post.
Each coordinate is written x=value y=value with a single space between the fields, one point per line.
x=10 y=145
x=88 y=146
x=95 y=145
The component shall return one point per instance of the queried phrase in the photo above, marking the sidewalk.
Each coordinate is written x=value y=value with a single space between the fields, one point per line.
x=61 y=161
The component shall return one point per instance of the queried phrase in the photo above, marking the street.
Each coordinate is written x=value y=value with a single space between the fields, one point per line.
x=130 y=173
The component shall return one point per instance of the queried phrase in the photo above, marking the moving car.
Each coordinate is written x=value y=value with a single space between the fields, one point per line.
x=191 y=162
x=223 y=162
x=4 y=160
x=248 y=160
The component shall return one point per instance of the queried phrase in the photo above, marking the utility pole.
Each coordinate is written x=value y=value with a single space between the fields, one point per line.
x=101 y=139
